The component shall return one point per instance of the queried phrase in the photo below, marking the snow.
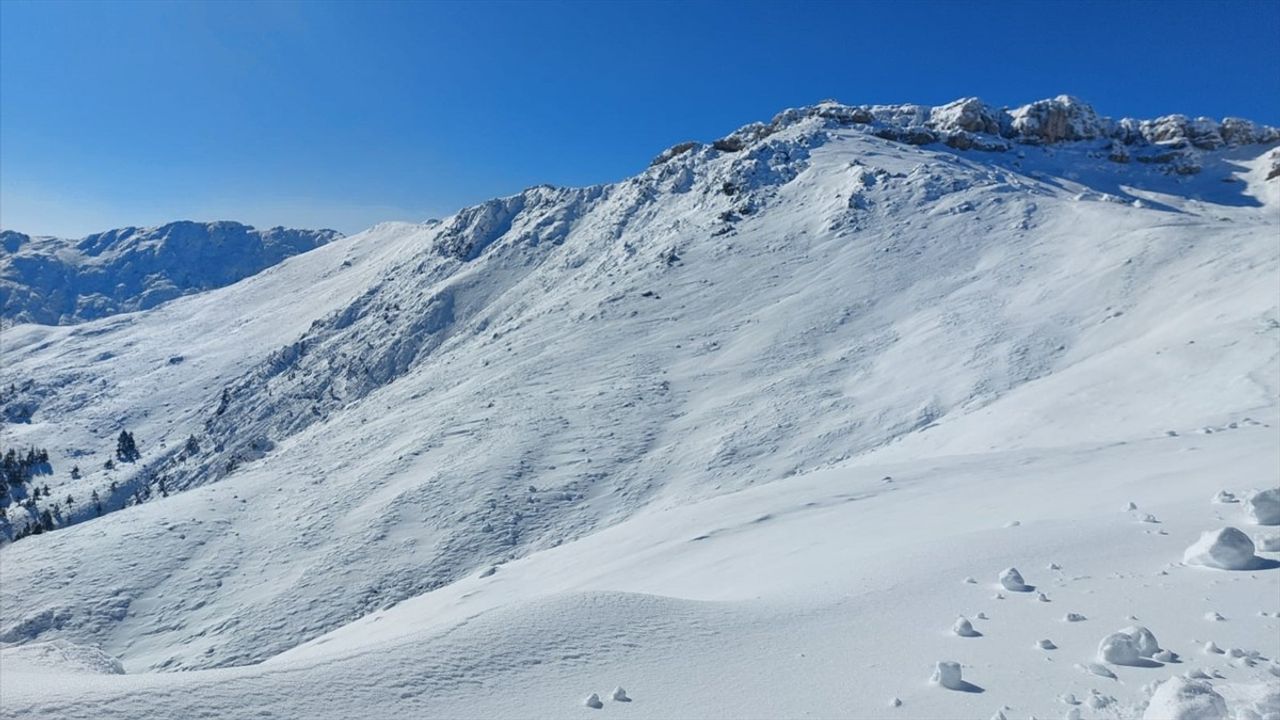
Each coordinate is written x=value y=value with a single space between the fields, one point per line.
x=1263 y=507
x=52 y=280
x=1182 y=699
x=1144 y=639
x=1224 y=549
x=669 y=432
x=964 y=628
x=947 y=674
x=1011 y=579
x=1119 y=649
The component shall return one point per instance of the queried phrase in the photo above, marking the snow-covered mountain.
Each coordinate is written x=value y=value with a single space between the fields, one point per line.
x=731 y=433
x=55 y=281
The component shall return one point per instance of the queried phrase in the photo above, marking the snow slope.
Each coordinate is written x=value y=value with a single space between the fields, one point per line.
x=732 y=432
x=55 y=281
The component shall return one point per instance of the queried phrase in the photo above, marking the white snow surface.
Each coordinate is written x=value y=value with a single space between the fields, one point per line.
x=640 y=435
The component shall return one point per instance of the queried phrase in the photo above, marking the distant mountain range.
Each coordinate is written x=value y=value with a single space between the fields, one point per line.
x=55 y=281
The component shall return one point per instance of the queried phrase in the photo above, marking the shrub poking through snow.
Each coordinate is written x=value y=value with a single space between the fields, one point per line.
x=1264 y=507
x=947 y=674
x=1181 y=699
x=1224 y=549
x=1012 y=580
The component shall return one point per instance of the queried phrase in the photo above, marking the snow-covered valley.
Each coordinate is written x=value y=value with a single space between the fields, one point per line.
x=732 y=434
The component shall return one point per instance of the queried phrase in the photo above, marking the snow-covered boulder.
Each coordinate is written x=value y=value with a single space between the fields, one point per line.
x=1224 y=549
x=1263 y=507
x=1181 y=699
x=947 y=674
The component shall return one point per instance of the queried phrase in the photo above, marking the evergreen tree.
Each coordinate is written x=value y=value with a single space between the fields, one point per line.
x=75 y=473
x=97 y=503
x=109 y=464
x=126 y=447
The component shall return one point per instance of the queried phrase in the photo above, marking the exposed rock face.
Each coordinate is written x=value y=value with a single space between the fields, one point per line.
x=1063 y=118
x=970 y=124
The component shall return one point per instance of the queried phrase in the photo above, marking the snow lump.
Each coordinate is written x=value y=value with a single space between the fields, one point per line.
x=1264 y=507
x=1012 y=580
x=1181 y=699
x=1224 y=549
x=947 y=674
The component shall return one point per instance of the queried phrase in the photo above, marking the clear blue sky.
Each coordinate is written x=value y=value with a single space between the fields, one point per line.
x=341 y=115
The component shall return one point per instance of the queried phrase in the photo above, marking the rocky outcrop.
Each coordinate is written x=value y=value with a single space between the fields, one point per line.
x=970 y=124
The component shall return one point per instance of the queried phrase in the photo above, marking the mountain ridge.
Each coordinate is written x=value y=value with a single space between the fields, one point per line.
x=788 y=313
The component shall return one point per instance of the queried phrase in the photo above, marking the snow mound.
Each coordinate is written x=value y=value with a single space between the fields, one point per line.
x=1181 y=699
x=1119 y=649
x=1073 y=617
x=1145 y=640
x=1224 y=497
x=1012 y=580
x=60 y=656
x=1264 y=507
x=620 y=695
x=1224 y=549
x=947 y=674
x=593 y=701
x=1267 y=543
x=964 y=628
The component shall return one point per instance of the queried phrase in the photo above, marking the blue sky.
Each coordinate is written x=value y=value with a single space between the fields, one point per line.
x=342 y=115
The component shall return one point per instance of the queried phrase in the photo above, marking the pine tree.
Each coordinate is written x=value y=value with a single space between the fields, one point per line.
x=126 y=447
x=109 y=464
x=75 y=473
x=97 y=503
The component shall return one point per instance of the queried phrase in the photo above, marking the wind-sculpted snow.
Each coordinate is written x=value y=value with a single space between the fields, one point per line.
x=54 y=281
x=584 y=382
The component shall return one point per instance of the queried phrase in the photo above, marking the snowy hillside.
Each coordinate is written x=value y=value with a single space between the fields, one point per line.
x=732 y=433
x=54 y=281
